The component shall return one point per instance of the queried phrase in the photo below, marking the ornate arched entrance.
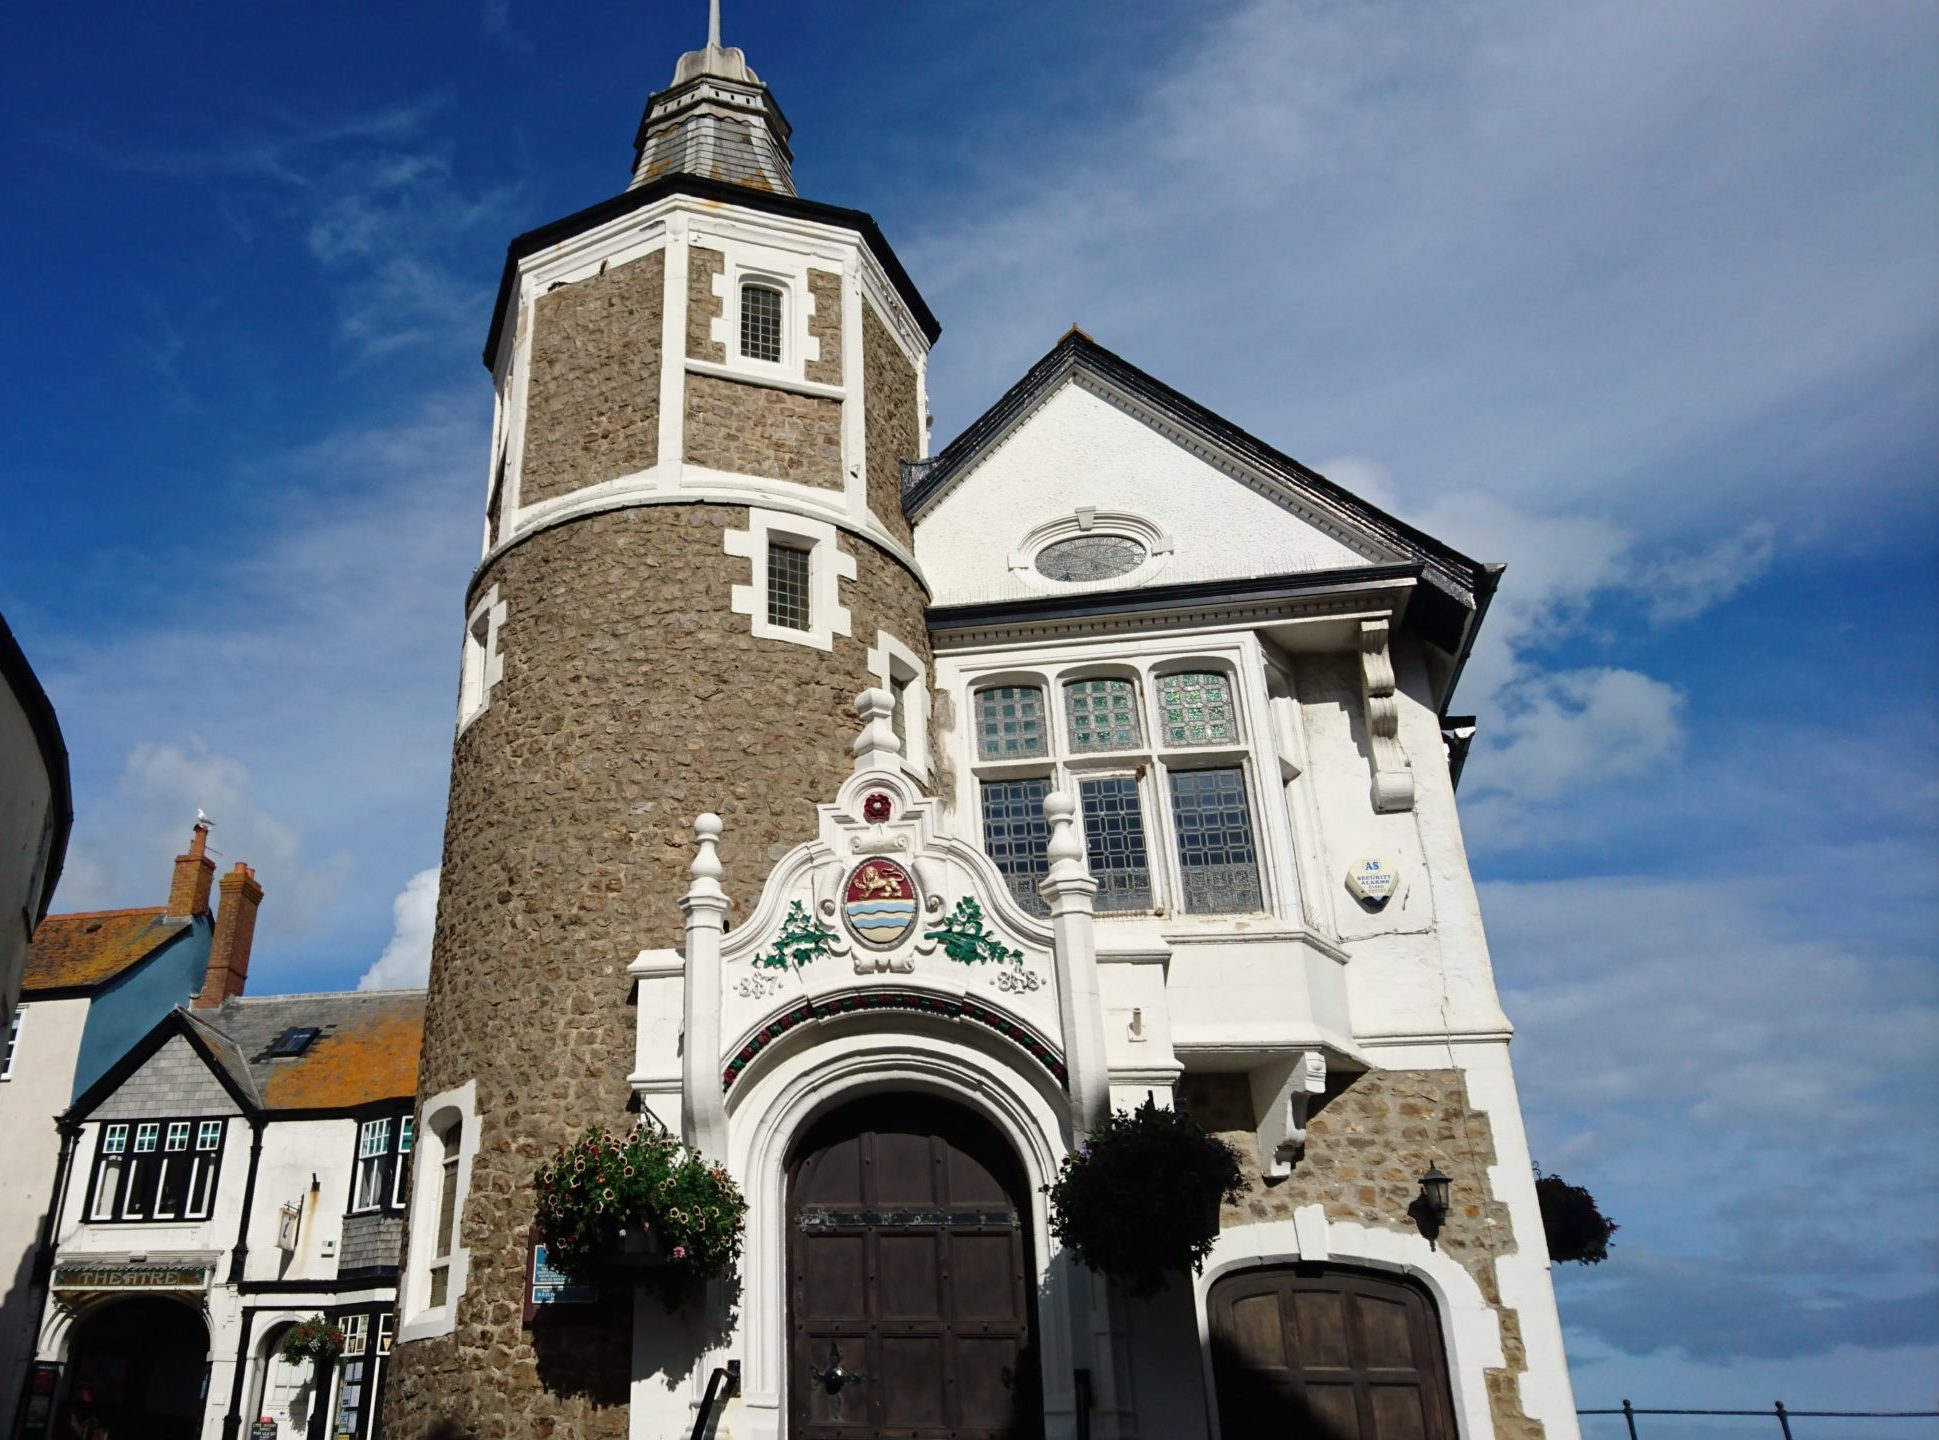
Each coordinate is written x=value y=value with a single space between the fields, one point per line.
x=911 y=1285
x=140 y=1366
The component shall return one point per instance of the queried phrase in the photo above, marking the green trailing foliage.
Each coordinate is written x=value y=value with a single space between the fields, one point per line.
x=1140 y=1200
x=801 y=941
x=967 y=940
x=1576 y=1229
x=595 y=1192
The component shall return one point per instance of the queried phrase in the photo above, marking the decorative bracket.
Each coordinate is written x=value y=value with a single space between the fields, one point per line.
x=1393 y=773
x=1281 y=1096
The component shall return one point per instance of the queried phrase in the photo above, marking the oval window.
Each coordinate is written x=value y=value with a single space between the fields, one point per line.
x=1090 y=557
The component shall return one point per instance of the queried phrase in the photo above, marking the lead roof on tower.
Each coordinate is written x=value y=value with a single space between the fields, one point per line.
x=716 y=120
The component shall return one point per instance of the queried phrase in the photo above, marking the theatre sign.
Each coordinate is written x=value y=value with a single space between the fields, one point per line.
x=130 y=1274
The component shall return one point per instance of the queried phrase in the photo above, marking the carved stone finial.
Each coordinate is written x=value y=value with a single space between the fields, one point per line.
x=705 y=891
x=877 y=747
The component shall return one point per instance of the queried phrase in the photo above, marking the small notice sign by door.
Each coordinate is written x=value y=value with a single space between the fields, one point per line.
x=263 y=1429
x=548 y=1289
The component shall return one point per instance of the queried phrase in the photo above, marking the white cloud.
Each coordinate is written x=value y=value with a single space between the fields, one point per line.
x=406 y=961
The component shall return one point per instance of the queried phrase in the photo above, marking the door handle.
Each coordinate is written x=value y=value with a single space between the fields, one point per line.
x=834 y=1378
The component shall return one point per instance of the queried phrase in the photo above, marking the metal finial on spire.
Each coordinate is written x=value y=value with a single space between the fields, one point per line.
x=713 y=23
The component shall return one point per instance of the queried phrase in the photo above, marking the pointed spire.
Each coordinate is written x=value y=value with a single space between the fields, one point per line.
x=715 y=120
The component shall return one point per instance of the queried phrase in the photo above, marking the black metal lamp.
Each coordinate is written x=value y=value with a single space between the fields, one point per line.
x=1435 y=1189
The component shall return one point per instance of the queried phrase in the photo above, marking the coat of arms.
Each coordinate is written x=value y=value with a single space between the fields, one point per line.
x=880 y=902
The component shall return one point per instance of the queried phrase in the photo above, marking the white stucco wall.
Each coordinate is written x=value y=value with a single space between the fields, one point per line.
x=37 y=1090
x=1081 y=449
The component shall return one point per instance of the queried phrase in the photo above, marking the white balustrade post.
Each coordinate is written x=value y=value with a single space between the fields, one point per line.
x=704 y=1113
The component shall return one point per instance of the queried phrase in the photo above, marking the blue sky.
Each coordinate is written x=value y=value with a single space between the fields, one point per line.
x=1641 y=298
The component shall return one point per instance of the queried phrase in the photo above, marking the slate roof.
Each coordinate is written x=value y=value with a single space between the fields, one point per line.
x=368 y=1050
x=81 y=952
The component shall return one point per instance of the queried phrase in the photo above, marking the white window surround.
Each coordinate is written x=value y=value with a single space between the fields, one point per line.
x=420 y=1319
x=1152 y=761
x=899 y=670
x=828 y=566
x=1158 y=545
x=483 y=667
x=774 y=270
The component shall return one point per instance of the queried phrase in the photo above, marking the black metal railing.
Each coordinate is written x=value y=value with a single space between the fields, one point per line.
x=1778 y=1411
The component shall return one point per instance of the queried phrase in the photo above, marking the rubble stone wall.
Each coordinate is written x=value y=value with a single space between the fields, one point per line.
x=894 y=429
x=593 y=404
x=632 y=700
x=758 y=430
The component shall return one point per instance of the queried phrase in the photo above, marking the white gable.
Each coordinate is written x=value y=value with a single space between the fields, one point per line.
x=1082 y=450
x=174 y=1081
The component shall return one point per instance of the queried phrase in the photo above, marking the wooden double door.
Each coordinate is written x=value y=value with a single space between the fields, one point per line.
x=911 y=1291
x=1327 y=1354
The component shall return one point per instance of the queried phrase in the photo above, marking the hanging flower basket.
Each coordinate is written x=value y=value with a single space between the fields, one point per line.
x=1140 y=1202
x=643 y=1203
x=1575 y=1228
x=312 y=1339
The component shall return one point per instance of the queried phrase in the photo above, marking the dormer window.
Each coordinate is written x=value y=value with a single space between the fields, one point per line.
x=761 y=323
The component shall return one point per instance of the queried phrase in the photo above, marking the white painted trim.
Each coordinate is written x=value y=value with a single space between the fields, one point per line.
x=775 y=1104
x=769 y=379
x=891 y=660
x=483 y=665
x=1469 y=1326
x=828 y=566
x=1158 y=544
x=418 y=1319
x=679 y=484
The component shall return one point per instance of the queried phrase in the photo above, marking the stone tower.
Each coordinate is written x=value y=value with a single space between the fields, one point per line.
x=694 y=557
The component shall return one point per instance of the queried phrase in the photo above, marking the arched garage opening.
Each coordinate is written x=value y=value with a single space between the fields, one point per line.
x=1330 y=1353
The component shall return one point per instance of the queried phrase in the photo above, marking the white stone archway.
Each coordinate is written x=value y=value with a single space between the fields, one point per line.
x=847 y=1059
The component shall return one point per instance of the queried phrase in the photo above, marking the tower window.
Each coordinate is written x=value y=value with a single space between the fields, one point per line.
x=788 y=602
x=760 y=322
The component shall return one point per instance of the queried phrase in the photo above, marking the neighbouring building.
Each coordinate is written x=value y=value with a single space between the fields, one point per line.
x=242 y=1167
x=94 y=983
x=1171 y=709
x=36 y=813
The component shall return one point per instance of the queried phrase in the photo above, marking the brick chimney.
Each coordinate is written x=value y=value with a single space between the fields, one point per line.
x=188 y=893
x=235 y=931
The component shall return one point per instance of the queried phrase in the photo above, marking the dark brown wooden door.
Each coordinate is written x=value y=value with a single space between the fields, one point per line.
x=1327 y=1354
x=911 y=1291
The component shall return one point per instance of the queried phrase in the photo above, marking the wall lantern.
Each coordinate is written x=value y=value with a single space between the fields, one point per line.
x=1434 y=1193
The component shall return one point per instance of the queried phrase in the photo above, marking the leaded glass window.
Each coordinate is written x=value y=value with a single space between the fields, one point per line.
x=1090 y=557
x=760 y=322
x=1010 y=722
x=1103 y=715
x=788 y=604
x=1016 y=836
x=1216 y=860
x=1196 y=709
x=1114 y=838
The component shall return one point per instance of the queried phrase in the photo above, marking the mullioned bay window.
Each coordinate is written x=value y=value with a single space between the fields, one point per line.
x=1157 y=761
x=381 y=1178
x=156 y=1170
